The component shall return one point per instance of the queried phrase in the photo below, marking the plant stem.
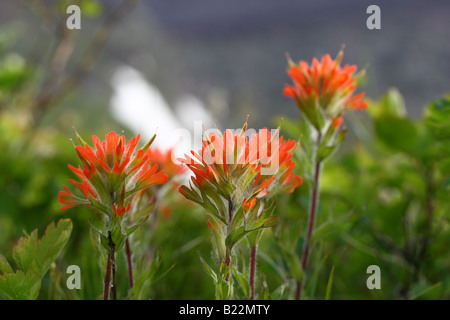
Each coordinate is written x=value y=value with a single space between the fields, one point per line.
x=107 y=279
x=312 y=215
x=230 y=218
x=113 y=264
x=252 y=271
x=130 y=262
x=110 y=268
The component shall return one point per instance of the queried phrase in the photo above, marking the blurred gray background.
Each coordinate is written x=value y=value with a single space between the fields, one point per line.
x=229 y=56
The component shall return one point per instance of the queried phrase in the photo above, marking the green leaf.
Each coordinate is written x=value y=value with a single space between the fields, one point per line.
x=294 y=263
x=437 y=118
x=20 y=285
x=118 y=238
x=237 y=220
x=97 y=240
x=324 y=152
x=208 y=269
x=330 y=284
x=134 y=227
x=190 y=194
x=219 y=237
x=38 y=254
x=210 y=206
x=397 y=133
x=243 y=282
x=391 y=104
x=425 y=291
x=319 y=263
x=5 y=267
x=241 y=232
x=224 y=289
x=146 y=279
x=279 y=292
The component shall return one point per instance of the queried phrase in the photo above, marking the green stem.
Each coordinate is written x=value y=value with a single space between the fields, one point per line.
x=230 y=218
x=252 y=270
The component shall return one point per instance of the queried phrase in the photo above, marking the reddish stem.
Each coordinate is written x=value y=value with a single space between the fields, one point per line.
x=312 y=216
x=110 y=267
x=227 y=262
x=107 y=279
x=130 y=263
x=252 y=271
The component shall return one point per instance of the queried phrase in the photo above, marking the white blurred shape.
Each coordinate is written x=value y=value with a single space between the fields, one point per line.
x=190 y=109
x=140 y=106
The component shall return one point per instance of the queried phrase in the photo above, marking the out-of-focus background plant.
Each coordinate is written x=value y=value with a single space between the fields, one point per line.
x=145 y=67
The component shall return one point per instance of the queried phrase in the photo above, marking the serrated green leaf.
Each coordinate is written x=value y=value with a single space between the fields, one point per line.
x=38 y=254
x=20 y=285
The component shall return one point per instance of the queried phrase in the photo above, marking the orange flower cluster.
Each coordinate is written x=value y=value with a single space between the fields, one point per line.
x=325 y=85
x=238 y=167
x=111 y=173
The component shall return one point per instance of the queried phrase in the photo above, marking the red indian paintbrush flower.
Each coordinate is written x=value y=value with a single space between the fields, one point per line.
x=237 y=167
x=235 y=178
x=324 y=85
x=111 y=173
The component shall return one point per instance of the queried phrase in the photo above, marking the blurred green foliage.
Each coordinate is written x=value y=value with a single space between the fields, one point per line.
x=383 y=202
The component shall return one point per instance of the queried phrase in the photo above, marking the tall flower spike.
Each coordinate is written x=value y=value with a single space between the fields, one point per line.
x=235 y=178
x=324 y=86
x=111 y=173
